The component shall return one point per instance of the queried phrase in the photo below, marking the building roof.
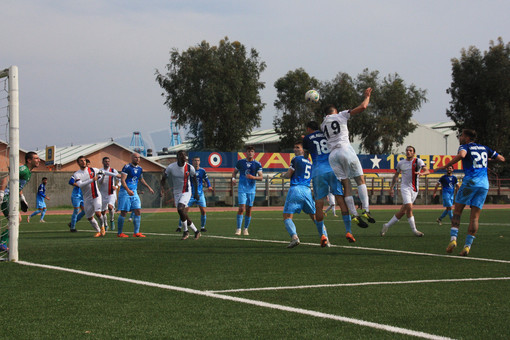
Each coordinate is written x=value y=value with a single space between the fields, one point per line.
x=263 y=137
x=446 y=128
x=68 y=154
x=257 y=137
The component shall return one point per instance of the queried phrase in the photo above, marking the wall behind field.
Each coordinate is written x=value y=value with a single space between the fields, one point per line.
x=59 y=190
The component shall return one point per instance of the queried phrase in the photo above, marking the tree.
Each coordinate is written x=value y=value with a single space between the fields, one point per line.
x=214 y=90
x=480 y=94
x=292 y=111
x=385 y=123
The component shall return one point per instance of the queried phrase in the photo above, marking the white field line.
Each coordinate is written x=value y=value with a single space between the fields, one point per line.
x=359 y=322
x=446 y=223
x=239 y=238
x=361 y=248
x=358 y=284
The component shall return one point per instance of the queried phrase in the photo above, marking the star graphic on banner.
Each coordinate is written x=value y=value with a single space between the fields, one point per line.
x=375 y=162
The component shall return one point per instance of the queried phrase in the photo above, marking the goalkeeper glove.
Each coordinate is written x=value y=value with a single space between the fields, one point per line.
x=23 y=203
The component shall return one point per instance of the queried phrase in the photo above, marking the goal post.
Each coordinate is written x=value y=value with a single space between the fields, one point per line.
x=12 y=121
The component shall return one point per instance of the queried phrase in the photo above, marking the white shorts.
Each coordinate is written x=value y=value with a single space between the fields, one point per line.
x=331 y=199
x=110 y=199
x=182 y=198
x=408 y=195
x=91 y=206
x=345 y=163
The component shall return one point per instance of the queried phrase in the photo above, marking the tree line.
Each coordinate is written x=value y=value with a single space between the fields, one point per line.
x=213 y=91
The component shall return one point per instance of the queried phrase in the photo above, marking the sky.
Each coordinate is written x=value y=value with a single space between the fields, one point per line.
x=87 y=67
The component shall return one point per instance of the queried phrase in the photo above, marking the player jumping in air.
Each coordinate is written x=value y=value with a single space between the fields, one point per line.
x=343 y=158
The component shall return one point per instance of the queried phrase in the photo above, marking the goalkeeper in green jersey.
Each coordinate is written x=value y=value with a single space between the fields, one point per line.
x=25 y=173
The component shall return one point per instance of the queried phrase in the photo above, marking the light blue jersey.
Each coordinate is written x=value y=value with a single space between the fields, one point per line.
x=201 y=179
x=475 y=164
x=317 y=146
x=448 y=183
x=41 y=192
x=475 y=184
x=134 y=173
x=299 y=196
x=76 y=194
x=324 y=179
x=41 y=195
x=302 y=171
x=127 y=202
x=448 y=189
x=246 y=167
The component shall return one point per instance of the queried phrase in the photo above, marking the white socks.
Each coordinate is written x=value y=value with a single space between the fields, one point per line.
x=411 y=223
x=363 y=196
x=94 y=224
x=191 y=226
x=350 y=205
x=391 y=222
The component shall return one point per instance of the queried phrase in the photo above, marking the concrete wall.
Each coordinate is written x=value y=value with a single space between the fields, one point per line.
x=426 y=141
x=59 y=190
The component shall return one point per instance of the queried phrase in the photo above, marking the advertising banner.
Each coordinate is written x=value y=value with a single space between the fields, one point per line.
x=278 y=162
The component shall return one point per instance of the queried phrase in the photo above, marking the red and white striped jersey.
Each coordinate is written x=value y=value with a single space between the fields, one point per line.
x=408 y=169
x=107 y=183
x=90 y=190
x=180 y=176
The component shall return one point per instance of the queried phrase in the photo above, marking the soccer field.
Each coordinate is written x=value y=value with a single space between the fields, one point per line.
x=73 y=286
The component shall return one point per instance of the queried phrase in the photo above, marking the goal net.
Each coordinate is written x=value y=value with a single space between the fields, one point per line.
x=9 y=163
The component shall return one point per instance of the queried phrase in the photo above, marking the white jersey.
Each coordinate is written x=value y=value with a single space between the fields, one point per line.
x=180 y=177
x=335 y=129
x=408 y=169
x=107 y=184
x=90 y=190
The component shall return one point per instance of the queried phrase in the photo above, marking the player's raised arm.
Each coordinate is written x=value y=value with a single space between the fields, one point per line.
x=364 y=104
x=501 y=158
x=458 y=157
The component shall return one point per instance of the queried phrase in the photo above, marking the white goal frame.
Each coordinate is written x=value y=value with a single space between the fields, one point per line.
x=13 y=120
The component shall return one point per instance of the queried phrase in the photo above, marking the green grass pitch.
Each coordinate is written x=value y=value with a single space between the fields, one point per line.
x=230 y=287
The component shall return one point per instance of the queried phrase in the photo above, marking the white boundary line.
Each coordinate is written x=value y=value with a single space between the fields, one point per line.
x=361 y=248
x=238 y=238
x=363 y=323
x=358 y=284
